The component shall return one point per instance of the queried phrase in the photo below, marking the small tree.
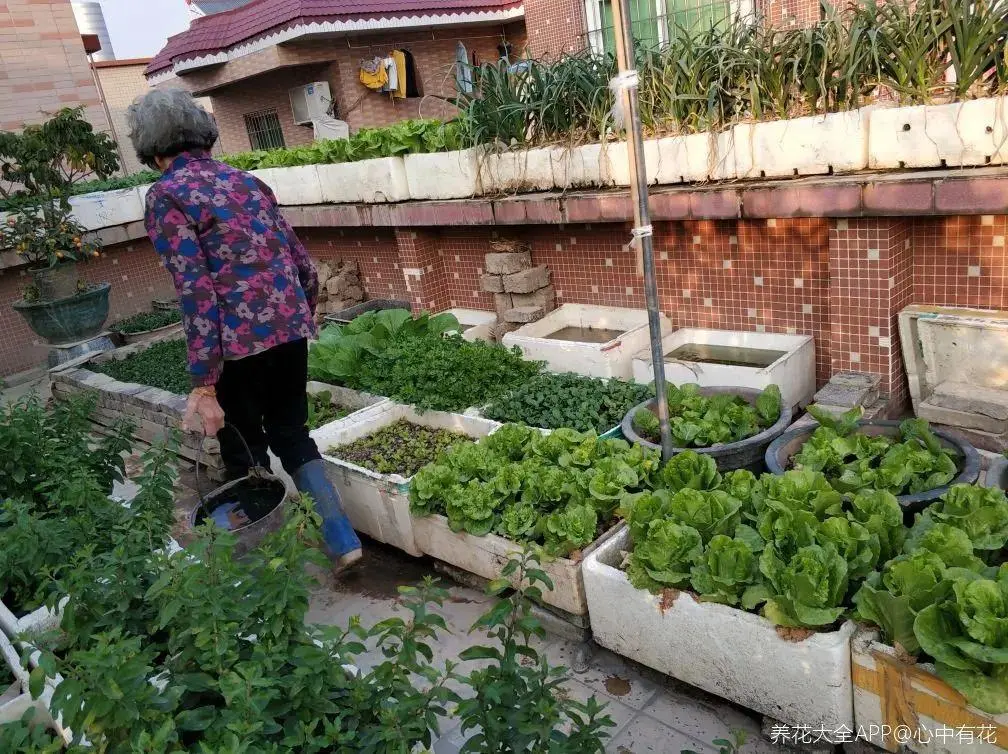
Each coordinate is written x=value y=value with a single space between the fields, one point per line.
x=38 y=168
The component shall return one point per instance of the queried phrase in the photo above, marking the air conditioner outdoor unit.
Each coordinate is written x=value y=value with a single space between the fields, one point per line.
x=310 y=102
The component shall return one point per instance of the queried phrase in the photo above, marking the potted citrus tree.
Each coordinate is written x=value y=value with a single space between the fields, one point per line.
x=38 y=169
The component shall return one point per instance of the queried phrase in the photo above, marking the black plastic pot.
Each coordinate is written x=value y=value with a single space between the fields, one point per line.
x=781 y=450
x=250 y=508
x=744 y=454
x=997 y=474
x=374 y=305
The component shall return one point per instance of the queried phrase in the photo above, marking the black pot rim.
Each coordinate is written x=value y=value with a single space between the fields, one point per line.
x=749 y=394
x=969 y=473
x=270 y=479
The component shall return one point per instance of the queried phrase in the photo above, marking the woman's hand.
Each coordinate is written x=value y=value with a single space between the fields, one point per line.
x=203 y=412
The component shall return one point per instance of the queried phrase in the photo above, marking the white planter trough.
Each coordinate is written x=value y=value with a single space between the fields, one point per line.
x=486 y=557
x=38 y=621
x=728 y=652
x=103 y=209
x=818 y=144
x=955 y=135
x=587 y=166
x=370 y=181
x=517 y=171
x=892 y=698
x=476 y=324
x=296 y=185
x=443 y=175
x=378 y=504
x=677 y=159
x=15 y=700
x=712 y=358
x=598 y=341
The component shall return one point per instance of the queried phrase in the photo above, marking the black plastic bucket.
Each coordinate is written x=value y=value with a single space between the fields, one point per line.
x=250 y=508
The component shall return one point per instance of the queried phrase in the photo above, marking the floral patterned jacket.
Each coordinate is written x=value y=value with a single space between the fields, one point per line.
x=244 y=280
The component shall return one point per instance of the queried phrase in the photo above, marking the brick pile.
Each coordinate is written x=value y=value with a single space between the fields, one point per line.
x=522 y=292
x=340 y=287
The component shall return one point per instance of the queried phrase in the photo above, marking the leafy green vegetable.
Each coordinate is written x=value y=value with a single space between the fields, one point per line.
x=322 y=409
x=689 y=469
x=561 y=489
x=949 y=543
x=698 y=421
x=858 y=546
x=854 y=461
x=664 y=556
x=401 y=448
x=162 y=365
x=639 y=509
x=980 y=512
x=725 y=571
x=808 y=590
x=146 y=321
x=879 y=512
x=709 y=512
x=569 y=400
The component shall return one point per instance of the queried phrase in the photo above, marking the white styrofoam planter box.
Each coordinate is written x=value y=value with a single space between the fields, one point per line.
x=890 y=694
x=443 y=175
x=103 y=209
x=611 y=359
x=486 y=556
x=954 y=135
x=517 y=171
x=370 y=181
x=36 y=622
x=296 y=185
x=728 y=156
x=587 y=166
x=16 y=699
x=815 y=145
x=477 y=324
x=378 y=504
x=730 y=653
x=619 y=162
x=793 y=372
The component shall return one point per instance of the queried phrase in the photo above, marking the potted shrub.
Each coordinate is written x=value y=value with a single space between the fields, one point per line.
x=39 y=167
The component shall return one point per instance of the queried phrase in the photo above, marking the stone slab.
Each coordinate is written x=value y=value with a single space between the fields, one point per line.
x=508 y=262
x=939 y=414
x=974 y=399
x=492 y=283
x=524 y=314
x=527 y=281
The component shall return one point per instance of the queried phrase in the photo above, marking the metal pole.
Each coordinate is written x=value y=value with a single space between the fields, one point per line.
x=627 y=89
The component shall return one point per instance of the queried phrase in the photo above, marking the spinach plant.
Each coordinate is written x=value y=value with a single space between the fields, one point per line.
x=583 y=403
x=322 y=410
x=145 y=321
x=162 y=365
x=401 y=448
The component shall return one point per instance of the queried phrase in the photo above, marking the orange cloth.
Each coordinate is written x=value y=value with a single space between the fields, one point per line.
x=400 y=64
x=376 y=80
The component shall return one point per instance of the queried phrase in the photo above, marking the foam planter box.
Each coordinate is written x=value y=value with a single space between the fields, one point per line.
x=476 y=324
x=792 y=367
x=296 y=185
x=612 y=358
x=893 y=698
x=955 y=135
x=517 y=171
x=675 y=159
x=731 y=653
x=486 y=556
x=378 y=504
x=15 y=700
x=38 y=621
x=370 y=181
x=586 y=166
x=443 y=175
x=818 y=144
x=103 y=209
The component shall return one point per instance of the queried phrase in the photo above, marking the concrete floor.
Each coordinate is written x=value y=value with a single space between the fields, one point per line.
x=652 y=713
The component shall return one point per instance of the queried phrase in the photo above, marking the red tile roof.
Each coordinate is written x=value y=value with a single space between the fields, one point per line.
x=218 y=32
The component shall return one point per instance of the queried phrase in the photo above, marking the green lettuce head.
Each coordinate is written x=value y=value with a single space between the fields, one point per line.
x=571 y=529
x=639 y=509
x=689 y=469
x=880 y=513
x=980 y=512
x=664 y=556
x=858 y=546
x=710 y=512
x=808 y=591
x=725 y=571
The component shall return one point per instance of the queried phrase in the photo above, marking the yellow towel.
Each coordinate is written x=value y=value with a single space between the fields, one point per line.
x=400 y=64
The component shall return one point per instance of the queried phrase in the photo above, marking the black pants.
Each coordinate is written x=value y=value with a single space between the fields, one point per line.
x=265 y=398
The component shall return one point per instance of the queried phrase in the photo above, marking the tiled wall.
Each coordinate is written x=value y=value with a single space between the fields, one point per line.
x=841 y=281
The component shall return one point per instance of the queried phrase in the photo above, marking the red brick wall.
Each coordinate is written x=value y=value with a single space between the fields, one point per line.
x=137 y=278
x=555 y=27
x=374 y=250
x=269 y=91
x=785 y=13
x=43 y=66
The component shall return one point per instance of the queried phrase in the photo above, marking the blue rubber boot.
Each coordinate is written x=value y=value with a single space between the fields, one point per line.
x=340 y=538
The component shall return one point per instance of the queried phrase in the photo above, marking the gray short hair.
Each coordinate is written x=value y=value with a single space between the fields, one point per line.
x=167 y=122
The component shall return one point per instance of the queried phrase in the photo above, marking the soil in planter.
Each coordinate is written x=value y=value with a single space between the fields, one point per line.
x=577 y=334
x=163 y=365
x=247 y=502
x=732 y=356
x=402 y=448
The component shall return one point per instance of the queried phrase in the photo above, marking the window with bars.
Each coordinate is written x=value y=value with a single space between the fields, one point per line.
x=653 y=21
x=264 y=130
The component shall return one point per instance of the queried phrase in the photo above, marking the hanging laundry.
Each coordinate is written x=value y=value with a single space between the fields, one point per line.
x=463 y=70
x=400 y=67
x=391 y=74
x=373 y=74
x=412 y=77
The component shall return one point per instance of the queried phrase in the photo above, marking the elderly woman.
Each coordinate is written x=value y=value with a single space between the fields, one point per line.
x=247 y=289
